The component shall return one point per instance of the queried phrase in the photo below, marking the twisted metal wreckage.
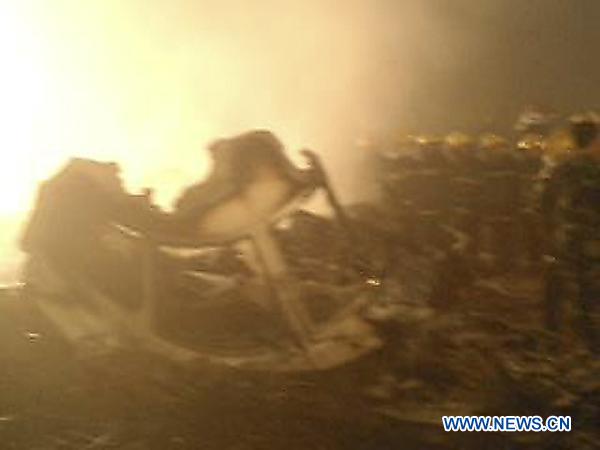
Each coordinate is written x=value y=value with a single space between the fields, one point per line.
x=245 y=209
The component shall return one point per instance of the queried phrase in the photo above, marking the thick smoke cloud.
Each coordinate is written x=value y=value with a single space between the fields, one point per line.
x=149 y=83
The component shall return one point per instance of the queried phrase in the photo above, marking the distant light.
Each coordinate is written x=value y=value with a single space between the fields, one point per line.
x=373 y=282
x=32 y=336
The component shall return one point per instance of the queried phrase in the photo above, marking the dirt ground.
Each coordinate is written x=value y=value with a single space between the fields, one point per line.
x=486 y=353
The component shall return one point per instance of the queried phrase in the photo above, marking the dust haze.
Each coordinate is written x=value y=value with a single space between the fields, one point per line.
x=148 y=84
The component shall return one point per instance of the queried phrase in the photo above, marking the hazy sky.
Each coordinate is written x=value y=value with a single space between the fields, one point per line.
x=491 y=57
x=148 y=82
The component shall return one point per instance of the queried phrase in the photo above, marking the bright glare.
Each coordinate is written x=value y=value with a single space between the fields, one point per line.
x=148 y=84
x=21 y=90
x=59 y=100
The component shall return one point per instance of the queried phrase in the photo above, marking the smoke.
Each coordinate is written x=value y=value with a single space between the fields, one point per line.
x=149 y=83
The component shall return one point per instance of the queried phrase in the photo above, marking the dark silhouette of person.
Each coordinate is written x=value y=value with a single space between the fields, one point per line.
x=570 y=206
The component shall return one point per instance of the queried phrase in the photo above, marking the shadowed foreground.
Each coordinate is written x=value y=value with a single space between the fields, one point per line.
x=469 y=359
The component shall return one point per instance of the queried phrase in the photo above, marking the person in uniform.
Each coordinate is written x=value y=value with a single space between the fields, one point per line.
x=462 y=187
x=396 y=169
x=571 y=208
x=532 y=172
x=428 y=190
x=497 y=200
x=534 y=120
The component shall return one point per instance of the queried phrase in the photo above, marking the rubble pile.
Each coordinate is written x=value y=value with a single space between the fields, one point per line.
x=449 y=258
